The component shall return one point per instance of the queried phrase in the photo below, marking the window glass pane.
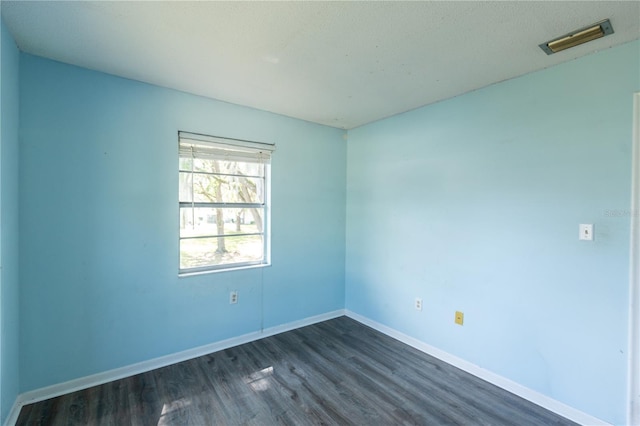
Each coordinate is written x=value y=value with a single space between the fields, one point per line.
x=203 y=221
x=224 y=173
x=186 y=163
x=185 y=186
x=199 y=252
x=227 y=167
x=227 y=189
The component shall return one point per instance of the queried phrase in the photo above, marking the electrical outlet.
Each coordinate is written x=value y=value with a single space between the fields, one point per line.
x=459 y=318
x=418 y=304
x=233 y=297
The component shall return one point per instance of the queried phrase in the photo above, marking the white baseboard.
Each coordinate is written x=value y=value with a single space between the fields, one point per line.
x=163 y=361
x=486 y=375
x=12 y=418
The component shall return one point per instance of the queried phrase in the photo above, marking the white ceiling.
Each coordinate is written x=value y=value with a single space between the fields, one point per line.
x=342 y=64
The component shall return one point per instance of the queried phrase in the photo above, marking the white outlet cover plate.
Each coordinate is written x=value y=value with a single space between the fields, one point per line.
x=418 y=304
x=586 y=231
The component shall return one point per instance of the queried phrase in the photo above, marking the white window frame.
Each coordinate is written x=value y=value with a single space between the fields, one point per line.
x=203 y=146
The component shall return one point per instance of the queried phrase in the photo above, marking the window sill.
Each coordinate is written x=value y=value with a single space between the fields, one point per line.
x=218 y=271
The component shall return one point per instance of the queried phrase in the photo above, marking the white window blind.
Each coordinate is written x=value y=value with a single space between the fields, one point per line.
x=203 y=146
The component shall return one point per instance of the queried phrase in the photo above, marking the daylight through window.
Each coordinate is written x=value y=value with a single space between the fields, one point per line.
x=224 y=203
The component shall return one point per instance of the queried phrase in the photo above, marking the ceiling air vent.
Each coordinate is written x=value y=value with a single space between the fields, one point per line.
x=578 y=37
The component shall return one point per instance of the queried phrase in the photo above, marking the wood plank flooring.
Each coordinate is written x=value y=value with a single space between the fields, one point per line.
x=337 y=372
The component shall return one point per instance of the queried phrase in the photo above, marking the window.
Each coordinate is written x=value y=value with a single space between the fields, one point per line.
x=224 y=203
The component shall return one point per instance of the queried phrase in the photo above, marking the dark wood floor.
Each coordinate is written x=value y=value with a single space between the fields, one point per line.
x=338 y=372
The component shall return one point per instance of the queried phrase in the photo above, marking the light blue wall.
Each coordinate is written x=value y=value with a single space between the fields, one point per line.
x=9 y=112
x=99 y=224
x=473 y=204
